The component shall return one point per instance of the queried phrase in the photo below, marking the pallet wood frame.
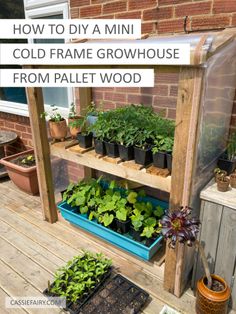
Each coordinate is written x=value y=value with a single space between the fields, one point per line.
x=177 y=264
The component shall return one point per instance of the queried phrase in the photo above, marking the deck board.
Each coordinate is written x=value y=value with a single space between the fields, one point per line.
x=26 y=239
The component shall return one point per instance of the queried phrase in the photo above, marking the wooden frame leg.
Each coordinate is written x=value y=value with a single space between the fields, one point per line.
x=42 y=153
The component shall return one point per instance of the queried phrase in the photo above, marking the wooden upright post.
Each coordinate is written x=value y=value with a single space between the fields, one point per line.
x=42 y=153
x=178 y=261
x=85 y=98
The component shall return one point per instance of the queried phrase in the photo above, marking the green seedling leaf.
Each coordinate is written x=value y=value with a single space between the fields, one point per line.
x=159 y=211
x=132 y=197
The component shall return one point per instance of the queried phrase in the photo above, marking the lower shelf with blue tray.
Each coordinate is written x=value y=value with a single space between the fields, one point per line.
x=123 y=241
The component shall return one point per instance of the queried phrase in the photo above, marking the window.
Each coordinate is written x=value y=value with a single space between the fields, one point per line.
x=13 y=100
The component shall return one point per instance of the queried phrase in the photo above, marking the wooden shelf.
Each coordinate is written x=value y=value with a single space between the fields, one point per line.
x=89 y=159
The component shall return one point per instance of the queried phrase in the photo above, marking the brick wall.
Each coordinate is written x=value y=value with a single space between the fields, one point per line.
x=158 y=17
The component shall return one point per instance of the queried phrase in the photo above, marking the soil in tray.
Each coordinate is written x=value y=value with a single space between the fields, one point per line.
x=18 y=161
x=118 y=296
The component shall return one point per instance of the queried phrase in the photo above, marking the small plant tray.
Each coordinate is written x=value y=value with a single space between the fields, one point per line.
x=75 y=307
x=116 y=296
x=123 y=241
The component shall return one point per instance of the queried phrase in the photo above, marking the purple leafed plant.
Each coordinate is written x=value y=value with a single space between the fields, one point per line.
x=179 y=226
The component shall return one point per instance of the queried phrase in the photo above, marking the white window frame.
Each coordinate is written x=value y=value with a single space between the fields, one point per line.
x=32 y=4
x=61 y=8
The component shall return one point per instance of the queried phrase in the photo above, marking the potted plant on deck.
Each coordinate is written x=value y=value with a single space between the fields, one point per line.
x=162 y=146
x=22 y=171
x=85 y=137
x=74 y=121
x=57 y=124
x=213 y=292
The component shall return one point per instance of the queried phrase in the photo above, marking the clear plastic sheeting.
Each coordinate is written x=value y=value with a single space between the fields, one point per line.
x=216 y=110
x=60 y=174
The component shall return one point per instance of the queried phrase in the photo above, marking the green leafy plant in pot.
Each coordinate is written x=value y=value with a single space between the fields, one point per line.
x=143 y=149
x=162 y=146
x=110 y=126
x=99 y=134
x=227 y=161
x=213 y=293
x=57 y=124
x=85 y=137
x=74 y=121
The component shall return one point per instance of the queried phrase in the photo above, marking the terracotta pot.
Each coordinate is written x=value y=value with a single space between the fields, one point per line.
x=25 y=178
x=218 y=175
x=58 y=130
x=223 y=186
x=74 y=130
x=209 y=301
x=233 y=180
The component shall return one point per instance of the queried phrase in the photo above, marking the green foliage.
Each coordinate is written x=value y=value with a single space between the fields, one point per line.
x=54 y=114
x=231 y=148
x=104 y=204
x=72 y=112
x=28 y=160
x=163 y=144
x=80 y=275
x=132 y=125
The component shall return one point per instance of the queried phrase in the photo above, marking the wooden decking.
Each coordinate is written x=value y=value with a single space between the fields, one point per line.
x=32 y=249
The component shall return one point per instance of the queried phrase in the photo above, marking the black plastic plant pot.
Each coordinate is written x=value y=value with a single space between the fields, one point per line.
x=159 y=160
x=85 y=141
x=143 y=156
x=150 y=241
x=136 y=235
x=112 y=149
x=99 y=147
x=169 y=158
x=126 y=152
x=227 y=165
x=123 y=226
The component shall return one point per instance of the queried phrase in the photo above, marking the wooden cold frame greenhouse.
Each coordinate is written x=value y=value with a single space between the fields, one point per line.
x=206 y=90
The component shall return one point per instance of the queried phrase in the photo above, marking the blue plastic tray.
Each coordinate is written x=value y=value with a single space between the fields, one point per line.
x=122 y=241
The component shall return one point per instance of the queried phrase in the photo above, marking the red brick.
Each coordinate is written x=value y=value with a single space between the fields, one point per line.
x=234 y=20
x=167 y=78
x=140 y=99
x=210 y=22
x=97 y=95
x=141 y=4
x=107 y=16
x=100 y=1
x=169 y=102
x=114 y=7
x=193 y=9
x=90 y=11
x=224 y=6
x=148 y=28
x=171 y=26
x=158 y=14
x=171 y=114
x=129 y=15
x=161 y=90
x=128 y=90
x=171 y=2
x=20 y=128
x=79 y=3
x=174 y=90
x=9 y=125
x=26 y=136
x=74 y=13
x=161 y=111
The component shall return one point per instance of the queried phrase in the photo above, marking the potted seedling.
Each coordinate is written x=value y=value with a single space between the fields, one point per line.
x=162 y=146
x=125 y=139
x=136 y=225
x=85 y=137
x=143 y=149
x=97 y=129
x=213 y=292
x=227 y=161
x=22 y=171
x=122 y=216
x=57 y=124
x=233 y=180
x=111 y=126
x=218 y=173
x=169 y=152
x=222 y=183
x=74 y=121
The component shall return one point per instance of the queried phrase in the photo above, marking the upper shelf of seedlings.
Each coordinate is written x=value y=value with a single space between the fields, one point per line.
x=131 y=142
